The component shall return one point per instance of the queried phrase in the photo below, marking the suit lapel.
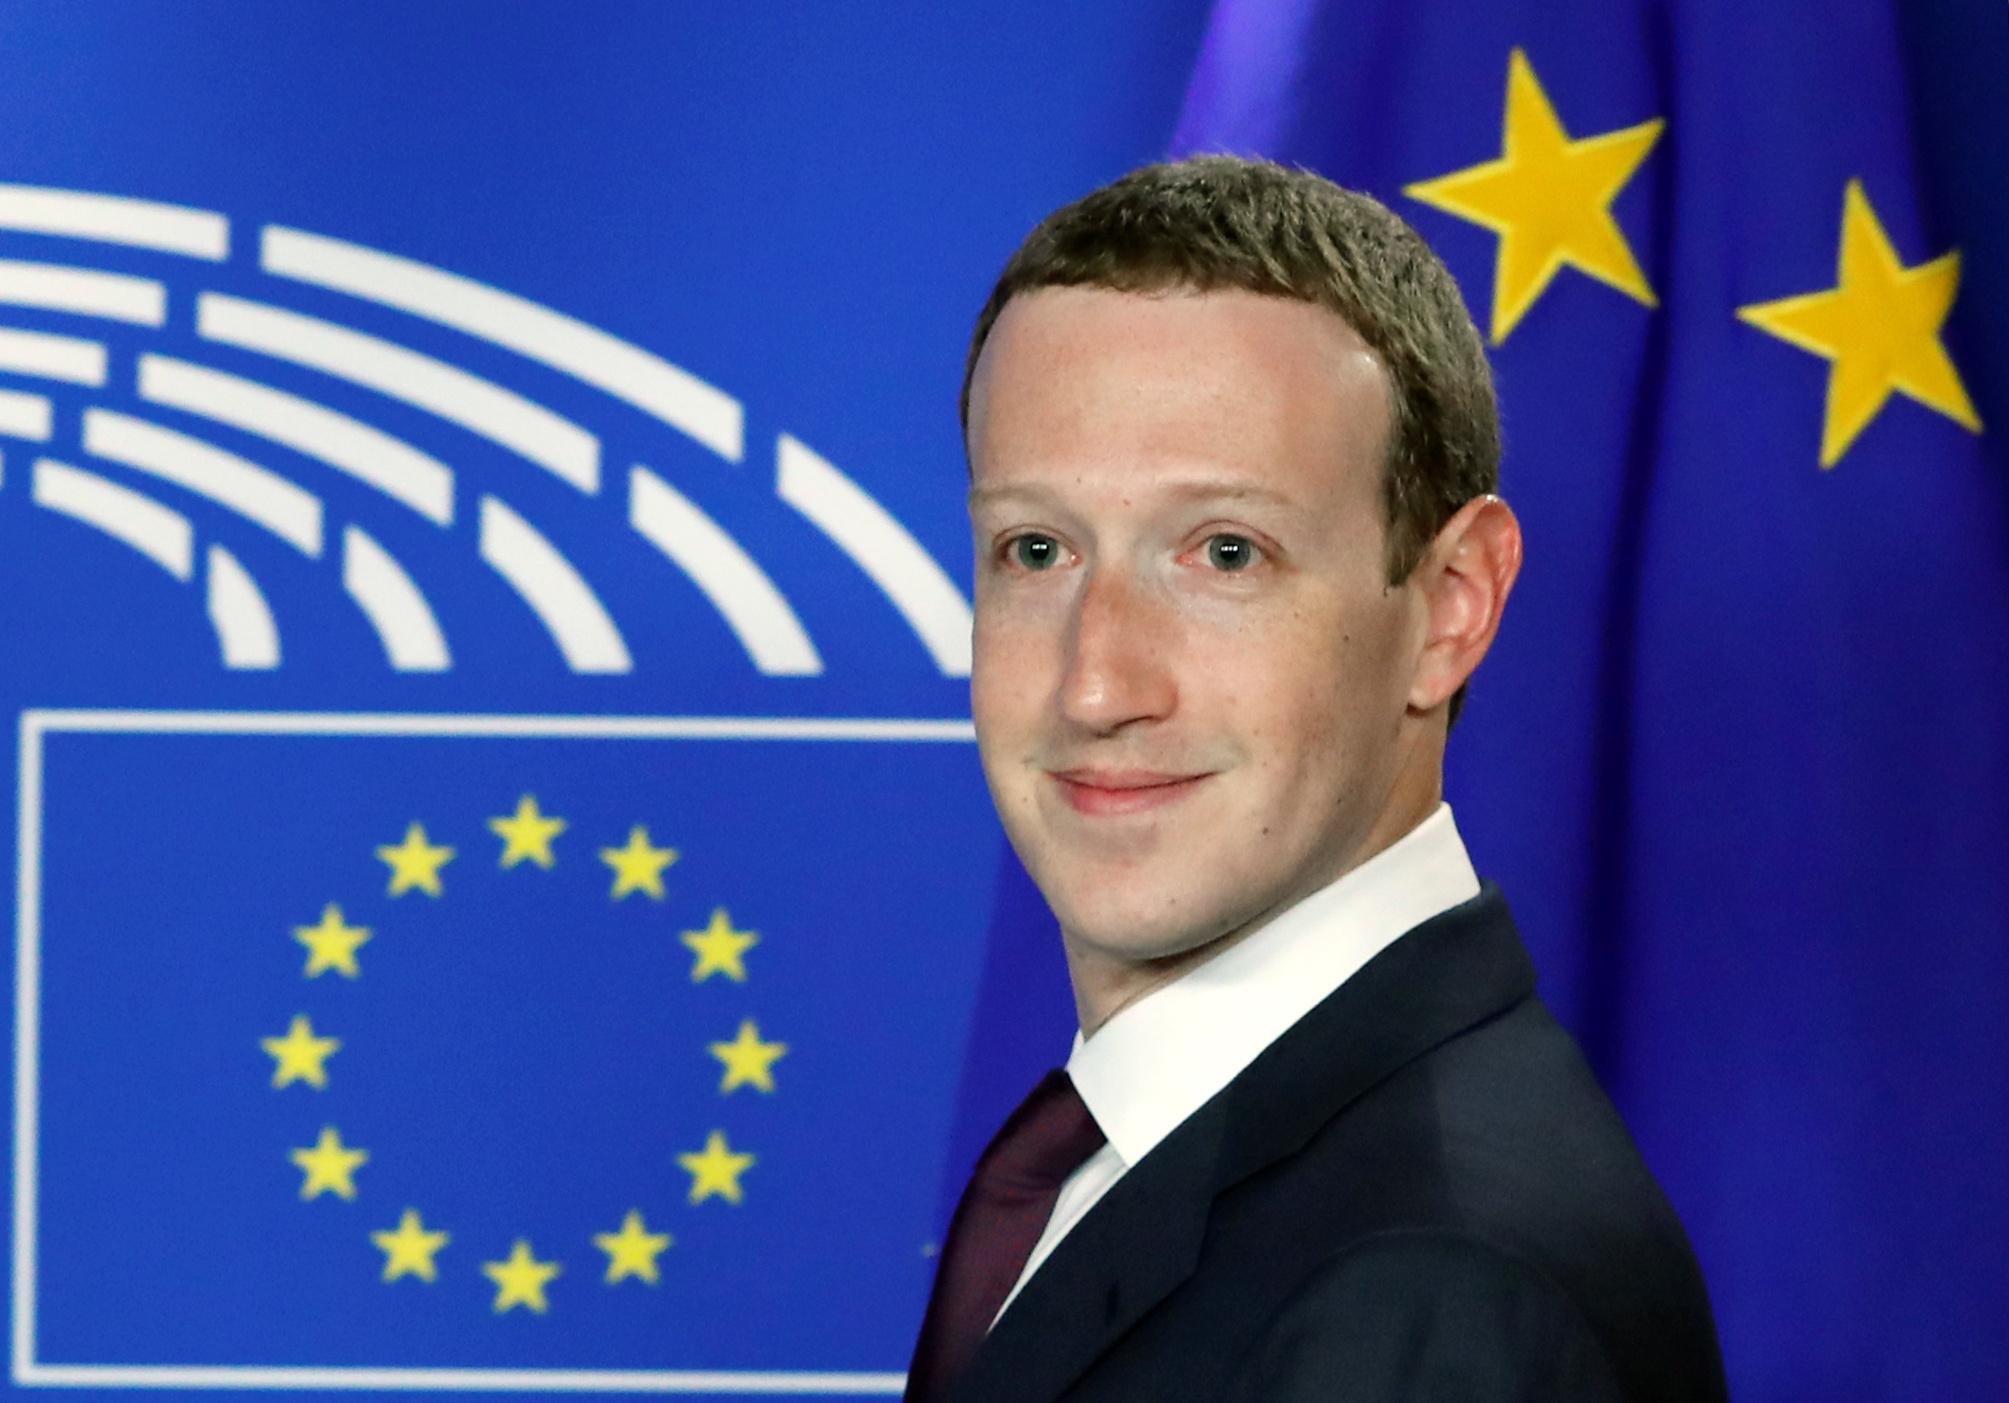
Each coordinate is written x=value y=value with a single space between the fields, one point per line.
x=1143 y=1239
x=1441 y=979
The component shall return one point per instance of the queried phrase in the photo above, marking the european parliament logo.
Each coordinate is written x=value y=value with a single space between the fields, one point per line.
x=230 y=439
x=575 y=1047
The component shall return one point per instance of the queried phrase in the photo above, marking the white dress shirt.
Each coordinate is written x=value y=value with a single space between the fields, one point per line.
x=1161 y=1059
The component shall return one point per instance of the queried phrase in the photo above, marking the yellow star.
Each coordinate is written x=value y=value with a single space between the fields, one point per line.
x=415 y=862
x=300 y=1056
x=716 y=1169
x=332 y=944
x=638 y=866
x=409 y=1251
x=330 y=1165
x=1879 y=324
x=719 y=949
x=520 y=1281
x=1548 y=198
x=748 y=1061
x=528 y=833
x=633 y=1250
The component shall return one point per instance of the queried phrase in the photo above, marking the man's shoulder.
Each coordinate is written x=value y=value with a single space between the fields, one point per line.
x=1423 y=1164
x=1418 y=1312
x=1435 y=1091
x=1477 y=1224
x=1486 y=1186
x=1502 y=1132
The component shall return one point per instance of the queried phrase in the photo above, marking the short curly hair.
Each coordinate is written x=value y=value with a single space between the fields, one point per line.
x=1224 y=223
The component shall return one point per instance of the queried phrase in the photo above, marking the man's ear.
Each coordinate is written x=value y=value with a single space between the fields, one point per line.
x=1464 y=579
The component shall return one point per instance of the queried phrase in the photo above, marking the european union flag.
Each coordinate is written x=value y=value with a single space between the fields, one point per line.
x=1739 y=760
x=338 y=1075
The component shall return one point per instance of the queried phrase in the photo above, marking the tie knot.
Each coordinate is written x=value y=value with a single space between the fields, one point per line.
x=1045 y=1140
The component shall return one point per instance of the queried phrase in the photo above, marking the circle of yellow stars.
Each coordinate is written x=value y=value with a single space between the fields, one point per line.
x=1548 y=197
x=416 y=863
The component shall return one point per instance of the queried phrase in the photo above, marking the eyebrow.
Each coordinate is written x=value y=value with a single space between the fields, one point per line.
x=1184 y=490
x=1220 y=490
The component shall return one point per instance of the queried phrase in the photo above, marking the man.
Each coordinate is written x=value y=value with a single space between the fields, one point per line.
x=1234 y=447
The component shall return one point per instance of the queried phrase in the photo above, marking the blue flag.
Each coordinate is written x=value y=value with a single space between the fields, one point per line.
x=1738 y=760
x=341 y=1075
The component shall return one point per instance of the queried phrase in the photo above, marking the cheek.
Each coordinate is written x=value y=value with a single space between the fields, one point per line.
x=1007 y=671
x=1324 y=706
x=1014 y=622
x=1308 y=746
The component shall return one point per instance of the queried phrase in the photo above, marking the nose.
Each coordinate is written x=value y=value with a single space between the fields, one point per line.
x=1119 y=665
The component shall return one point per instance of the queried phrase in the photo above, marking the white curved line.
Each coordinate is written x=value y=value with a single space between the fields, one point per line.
x=67 y=358
x=86 y=291
x=478 y=405
x=564 y=343
x=757 y=613
x=392 y=466
x=404 y=622
x=24 y=415
x=243 y=620
x=562 y=601
x=880 y=546
x=161 y=535
x=258 y=494
x=115 y=219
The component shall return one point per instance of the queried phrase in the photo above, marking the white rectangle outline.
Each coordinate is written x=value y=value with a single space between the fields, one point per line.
x=27 y=1371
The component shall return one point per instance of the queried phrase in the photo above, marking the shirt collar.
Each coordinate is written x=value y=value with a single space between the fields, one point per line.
x=1161 y=1059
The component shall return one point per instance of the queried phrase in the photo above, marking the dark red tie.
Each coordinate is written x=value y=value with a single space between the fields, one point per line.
x=997 y=1224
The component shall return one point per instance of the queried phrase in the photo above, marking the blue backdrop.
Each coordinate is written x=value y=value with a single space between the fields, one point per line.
x=504 y=896
x=1742 y=765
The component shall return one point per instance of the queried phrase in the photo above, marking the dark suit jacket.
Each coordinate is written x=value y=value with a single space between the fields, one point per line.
x=1418 y=1192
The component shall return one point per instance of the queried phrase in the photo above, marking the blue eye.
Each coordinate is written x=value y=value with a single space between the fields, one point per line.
x=1231 y=553
x=1035 y=552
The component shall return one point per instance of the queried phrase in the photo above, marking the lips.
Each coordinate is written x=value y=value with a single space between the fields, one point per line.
x=1106 y=793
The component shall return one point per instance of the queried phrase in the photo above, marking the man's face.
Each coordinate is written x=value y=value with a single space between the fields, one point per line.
x=1191 y=676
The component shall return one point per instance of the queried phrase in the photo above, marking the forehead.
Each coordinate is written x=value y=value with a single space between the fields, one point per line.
x=1087 y=384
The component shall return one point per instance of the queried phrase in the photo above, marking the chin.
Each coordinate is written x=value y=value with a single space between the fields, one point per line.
x=1151 y=925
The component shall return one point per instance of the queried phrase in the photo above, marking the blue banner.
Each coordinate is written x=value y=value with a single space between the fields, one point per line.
x=1738 y=761
x=503 y=897
x=501 y=875
x=339 y=1063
